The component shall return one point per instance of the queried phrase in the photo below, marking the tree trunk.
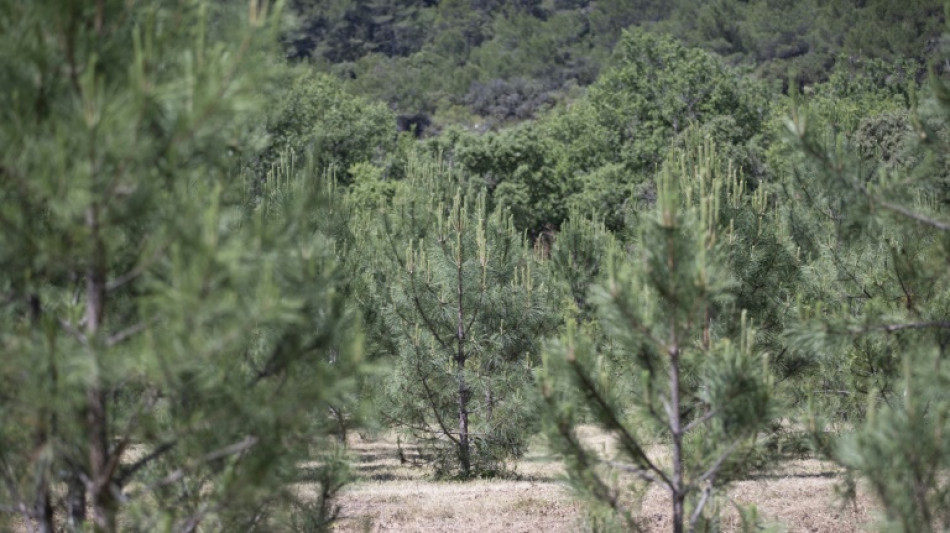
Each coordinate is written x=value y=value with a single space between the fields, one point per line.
x=707 y=330
x=75 y=499
x=340 y=418
x=101 y=469
x=678 y=489
x=460 y=356
x=42 y=503
x=465 y=462
x=43 y=507
x=101 y=465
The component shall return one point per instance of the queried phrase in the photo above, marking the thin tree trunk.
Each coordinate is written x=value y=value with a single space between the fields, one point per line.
x=678 y=490
x=95 y=277
x=340 y=418
x=75 y=499
x=464 y=448
x=463 y=392
x=42 y=502
x=101 y=466
x=100 y=462
x=707 y=329
x=43 y=507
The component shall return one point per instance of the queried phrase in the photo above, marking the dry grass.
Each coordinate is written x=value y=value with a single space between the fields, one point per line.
x=390 y=495
x=393 y=496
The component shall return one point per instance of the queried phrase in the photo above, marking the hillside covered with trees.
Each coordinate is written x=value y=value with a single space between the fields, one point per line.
x=233 y=235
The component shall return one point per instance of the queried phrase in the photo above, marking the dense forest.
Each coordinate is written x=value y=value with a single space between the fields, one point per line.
x=234 y=234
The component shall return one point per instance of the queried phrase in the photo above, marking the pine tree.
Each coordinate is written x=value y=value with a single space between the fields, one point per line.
x=672 y=370
x=578 y=259
x=464 y=307
x=879 y=324
x=163 y=334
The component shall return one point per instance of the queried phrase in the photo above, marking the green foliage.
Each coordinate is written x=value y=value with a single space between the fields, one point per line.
x=608 y=192
x=345 y=31
x=516 y=164
x=808 y=39
x=901 y=464
x=892 y=33
x=179 y=295
x=832 y=224
x=878 y=325
x=504 y=60
x=578 y=259
x=462 y=308
x=170 y=341
x=600 y=152
x=318 y=120
x=507 y=61
x=597 y=155
x=684 y=368
x=656 y=87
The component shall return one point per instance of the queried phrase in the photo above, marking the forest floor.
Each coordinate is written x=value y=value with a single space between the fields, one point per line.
x=389 y=495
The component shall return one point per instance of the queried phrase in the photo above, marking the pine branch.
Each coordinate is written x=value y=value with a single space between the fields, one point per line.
x=137 y=271
x=226 y=80
x=628 y=440
x=698 y=511
x=599 y=488
x=851 y=275
x=812 y=202
x=74 y=332
x=701 y=420
x=711 y=472
x=891 y=328
x=475 y=311
x=425 y=317
x=908 y=297
x=127 y=472
x=432 y=404
x=127 y=333
x=909 y=214
x=193 y=521
x=640 y=472
x=221 y=453
x=636 y=324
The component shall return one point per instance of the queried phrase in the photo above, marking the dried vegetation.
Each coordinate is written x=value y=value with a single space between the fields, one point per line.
x=390 y=494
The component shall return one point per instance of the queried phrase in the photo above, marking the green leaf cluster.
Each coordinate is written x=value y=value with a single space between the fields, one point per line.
x=171 y=334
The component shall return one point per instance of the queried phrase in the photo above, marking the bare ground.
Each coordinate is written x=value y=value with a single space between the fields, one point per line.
x=390 y=495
